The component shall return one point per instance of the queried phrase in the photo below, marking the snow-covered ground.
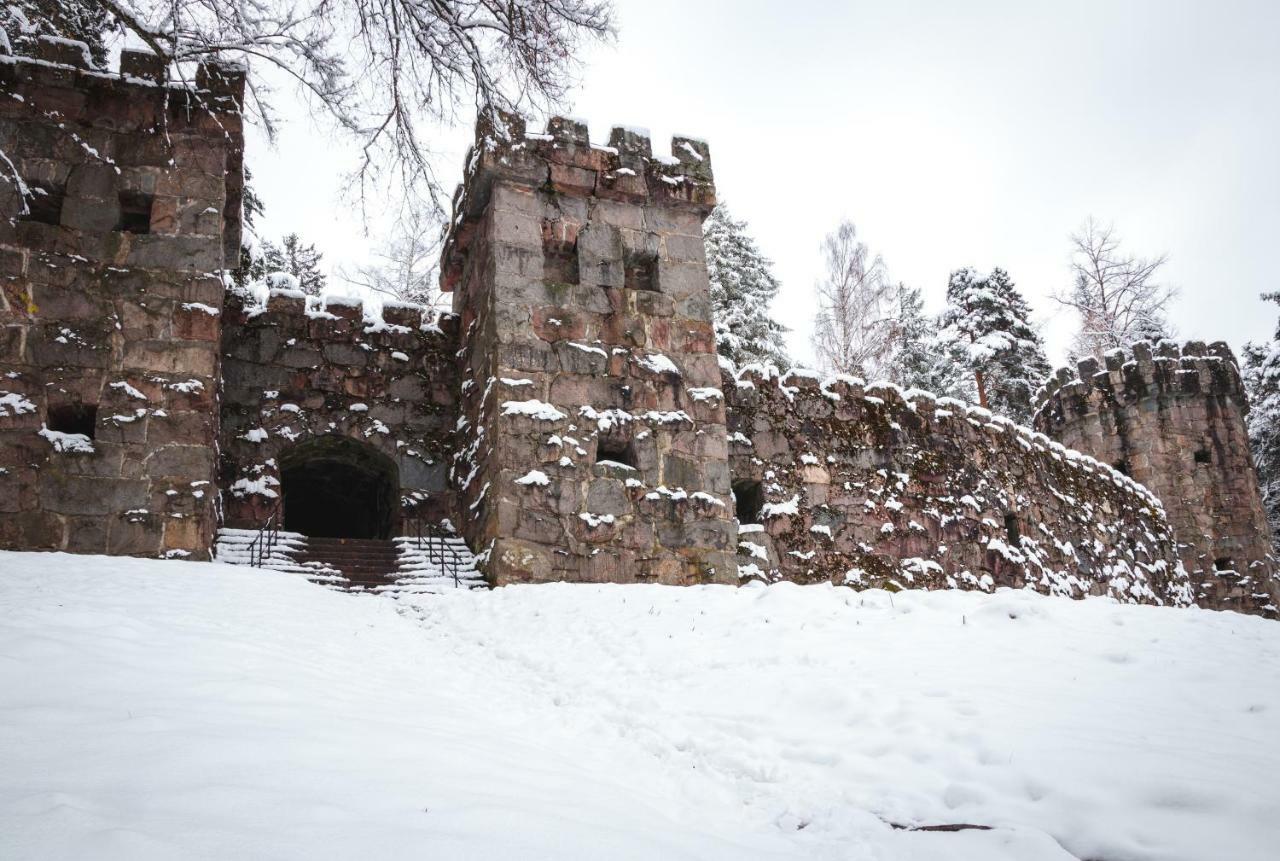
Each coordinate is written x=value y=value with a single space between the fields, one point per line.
x=160 y=710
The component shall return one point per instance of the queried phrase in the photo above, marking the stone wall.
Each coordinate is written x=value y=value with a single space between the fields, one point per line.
x=876 y=488
x=593 y=444
x=110 y=301
x=1172 y=417
x=295 y=370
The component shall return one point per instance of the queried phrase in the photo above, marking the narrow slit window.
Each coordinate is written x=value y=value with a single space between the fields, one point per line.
x=44 y=203
x=1013 y=530
x=1203 y=456
x=1121 y=466
x=135 y=212
x=74 y=418
x=1224 y=563
x=748 y=501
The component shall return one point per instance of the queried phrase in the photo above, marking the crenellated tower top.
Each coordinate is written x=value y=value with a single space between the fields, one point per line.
x=563 y=160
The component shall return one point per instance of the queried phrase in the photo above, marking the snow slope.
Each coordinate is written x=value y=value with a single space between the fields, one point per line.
x=183 y=710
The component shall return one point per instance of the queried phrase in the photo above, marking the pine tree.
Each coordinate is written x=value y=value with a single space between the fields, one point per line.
x=922 y=357
x=299 y=260
x=1262 y=383
x=742 y=288
x=992 y=322
x=82 y=20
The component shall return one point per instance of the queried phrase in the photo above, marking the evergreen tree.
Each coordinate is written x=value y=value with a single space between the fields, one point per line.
x=922 y=357
x=251 y=267
x=1262 y=383
x=23 y=21
x=992 y=322
x=297 y=259
x=742 y=288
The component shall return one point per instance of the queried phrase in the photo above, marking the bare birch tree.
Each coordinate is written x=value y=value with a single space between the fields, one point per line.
x=854 y=327
x=1116 y=295
x=405 y=268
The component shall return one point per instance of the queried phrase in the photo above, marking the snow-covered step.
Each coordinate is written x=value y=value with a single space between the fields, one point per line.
x=405 y=565
x=234 y=546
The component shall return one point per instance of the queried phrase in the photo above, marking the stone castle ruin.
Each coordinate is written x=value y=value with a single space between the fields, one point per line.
x=570 y=420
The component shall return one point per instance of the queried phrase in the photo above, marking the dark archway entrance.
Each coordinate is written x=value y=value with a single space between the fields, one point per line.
x=336 y=487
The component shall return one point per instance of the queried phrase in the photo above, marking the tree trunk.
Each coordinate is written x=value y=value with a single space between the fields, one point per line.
x=981 y=380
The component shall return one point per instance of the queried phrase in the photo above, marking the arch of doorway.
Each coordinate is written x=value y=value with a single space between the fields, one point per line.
x=337 y=487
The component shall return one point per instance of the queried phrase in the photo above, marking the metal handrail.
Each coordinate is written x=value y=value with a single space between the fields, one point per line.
x=265 y=541
x=448 y=563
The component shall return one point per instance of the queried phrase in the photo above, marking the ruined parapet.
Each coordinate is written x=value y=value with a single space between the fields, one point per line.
x=119 y=204
x=592 y=423
x=871 y=486
x=300 y=374
x=1172 y=417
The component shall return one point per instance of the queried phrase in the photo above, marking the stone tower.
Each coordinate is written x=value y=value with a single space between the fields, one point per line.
x=111 y=300
x=1173 y=418
x=592 y=430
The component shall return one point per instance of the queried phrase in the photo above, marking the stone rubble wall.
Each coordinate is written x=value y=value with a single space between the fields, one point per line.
x=873 y=487
x=1173 y=417
x=580 y=279
x=93 y=314
x=294 y=370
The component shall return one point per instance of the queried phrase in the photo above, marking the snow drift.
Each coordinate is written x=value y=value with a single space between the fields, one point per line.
x=168 y=709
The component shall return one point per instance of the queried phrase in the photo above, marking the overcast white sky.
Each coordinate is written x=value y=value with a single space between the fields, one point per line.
x=976 y=134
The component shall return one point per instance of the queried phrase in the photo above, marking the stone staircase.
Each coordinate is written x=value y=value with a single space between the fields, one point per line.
x=397 y=567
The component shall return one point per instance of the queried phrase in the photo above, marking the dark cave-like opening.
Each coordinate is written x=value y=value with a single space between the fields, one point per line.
x=339 y=488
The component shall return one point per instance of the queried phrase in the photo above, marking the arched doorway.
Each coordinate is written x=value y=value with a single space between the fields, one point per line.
x=335 y=487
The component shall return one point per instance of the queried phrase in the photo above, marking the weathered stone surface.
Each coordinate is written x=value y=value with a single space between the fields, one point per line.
x=1173 y=418
x=92 y=307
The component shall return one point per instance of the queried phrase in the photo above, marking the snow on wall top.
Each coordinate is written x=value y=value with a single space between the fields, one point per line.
x=1147 y=370
x=221 y=81
x=934 y=408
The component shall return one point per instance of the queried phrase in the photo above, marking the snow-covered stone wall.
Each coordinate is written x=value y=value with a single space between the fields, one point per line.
x=120 y=194
x=874 y=487
x=1172 y=417
x=296 y=369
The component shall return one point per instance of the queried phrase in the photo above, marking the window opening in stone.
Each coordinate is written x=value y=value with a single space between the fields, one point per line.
x=44 y=203
x=1121 y=466
x=615 y=452
x=135 y=212
x=1203 y=456
x=559 y=255
x=1224 y=563
x=1013 y=530
x=334 y=487
x=73 y=418
x=748 y=501
x=640 y=272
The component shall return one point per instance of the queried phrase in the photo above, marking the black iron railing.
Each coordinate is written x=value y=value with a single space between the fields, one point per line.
x=438 y=552
x=265 y=541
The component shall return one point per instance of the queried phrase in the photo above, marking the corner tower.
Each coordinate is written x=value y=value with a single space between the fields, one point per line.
x=119 y=206
x=1172 y=418
x=592 y=439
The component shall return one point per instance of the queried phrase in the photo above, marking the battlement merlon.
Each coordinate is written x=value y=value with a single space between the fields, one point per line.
x=564 y=160
x=1145 y=370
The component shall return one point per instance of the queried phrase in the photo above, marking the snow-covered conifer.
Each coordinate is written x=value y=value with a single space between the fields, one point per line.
x=923 y=357
x=742 y=287
x=1261 y=374
x=300 y=260
x=989 y=318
